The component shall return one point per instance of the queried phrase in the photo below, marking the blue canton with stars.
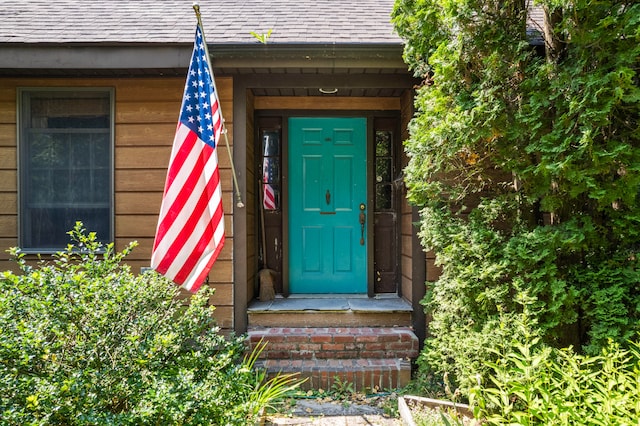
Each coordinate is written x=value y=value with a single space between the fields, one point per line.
x=199 y=94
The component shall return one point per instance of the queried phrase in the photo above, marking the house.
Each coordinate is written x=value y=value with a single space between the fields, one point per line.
x=89 y=99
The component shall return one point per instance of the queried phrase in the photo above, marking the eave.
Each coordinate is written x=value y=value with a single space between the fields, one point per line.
x=36 y=58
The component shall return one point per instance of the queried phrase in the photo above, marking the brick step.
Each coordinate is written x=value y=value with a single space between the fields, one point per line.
x=284 y=343
x=365 y=375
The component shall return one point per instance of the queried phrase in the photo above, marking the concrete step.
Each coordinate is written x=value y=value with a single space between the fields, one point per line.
x=344 y=311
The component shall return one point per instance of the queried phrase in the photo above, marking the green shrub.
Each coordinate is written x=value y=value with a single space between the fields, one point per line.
x=543 y=386
x=83 y=341
x=524 y=161
x=489 y=278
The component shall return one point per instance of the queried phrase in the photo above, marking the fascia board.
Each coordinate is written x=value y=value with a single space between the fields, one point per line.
x=125 y=56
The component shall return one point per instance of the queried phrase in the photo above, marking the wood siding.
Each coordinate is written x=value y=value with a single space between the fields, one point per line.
x=413 y=258
x=407 y=230
x=252 y=200
x=146 y=113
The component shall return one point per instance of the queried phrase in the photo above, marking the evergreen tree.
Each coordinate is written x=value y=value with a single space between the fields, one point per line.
x=525 y=159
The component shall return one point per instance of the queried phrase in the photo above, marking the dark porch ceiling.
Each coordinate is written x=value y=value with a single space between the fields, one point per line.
x=324 y=82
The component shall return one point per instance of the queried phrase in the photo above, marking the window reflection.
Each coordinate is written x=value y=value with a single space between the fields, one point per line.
x=384 y=170
x=271 y=170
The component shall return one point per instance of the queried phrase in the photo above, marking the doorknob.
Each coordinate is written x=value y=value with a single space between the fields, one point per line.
x=363 y=219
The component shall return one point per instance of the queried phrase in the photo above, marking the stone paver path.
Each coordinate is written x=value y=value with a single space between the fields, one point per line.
x=333 y=414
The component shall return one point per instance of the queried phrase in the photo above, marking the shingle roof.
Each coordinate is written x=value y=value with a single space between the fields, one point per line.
x=173 y=21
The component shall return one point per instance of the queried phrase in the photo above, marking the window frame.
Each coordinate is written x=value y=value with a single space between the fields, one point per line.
x=23 y=116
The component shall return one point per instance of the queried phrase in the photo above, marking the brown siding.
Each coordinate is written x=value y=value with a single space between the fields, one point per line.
x=414 y=261
x=8 y=173
x=407 y=229
x=146 y=113
x=252 y=226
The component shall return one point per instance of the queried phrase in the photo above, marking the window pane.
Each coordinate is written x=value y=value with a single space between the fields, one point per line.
x=270 y=143
x=60 y=110
x=46 y=151
x=383 y=170
x=383 y=143
x=66 y=166
x=101 y=189
x=80 y=148
x=49 y=226
x=383 y=197
x=270 y=169
x=39 y=187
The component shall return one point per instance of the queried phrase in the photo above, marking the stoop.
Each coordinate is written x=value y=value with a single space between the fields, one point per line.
x=368 y=356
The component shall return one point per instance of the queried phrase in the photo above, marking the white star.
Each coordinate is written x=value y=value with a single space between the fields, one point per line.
x=200 y=129
x=191 y=120
x=207 y=116
x=189 y=108
x=205 y=105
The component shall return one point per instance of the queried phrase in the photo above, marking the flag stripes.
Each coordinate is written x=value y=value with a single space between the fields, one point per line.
x=190 y=232
x=269 y=200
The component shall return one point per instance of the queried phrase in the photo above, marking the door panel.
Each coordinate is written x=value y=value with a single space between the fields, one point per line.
x=311 y=183
x=327 y=168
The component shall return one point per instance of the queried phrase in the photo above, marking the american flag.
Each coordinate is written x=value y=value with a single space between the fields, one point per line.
x=190 y=231
x=269 y=174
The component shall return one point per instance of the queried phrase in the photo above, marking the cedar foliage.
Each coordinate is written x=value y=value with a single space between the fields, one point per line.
x=524 y=157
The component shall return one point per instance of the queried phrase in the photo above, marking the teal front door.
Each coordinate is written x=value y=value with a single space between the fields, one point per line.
x=327 y=204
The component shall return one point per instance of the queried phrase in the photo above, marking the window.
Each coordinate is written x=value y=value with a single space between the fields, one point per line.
x=384 y=170
x=270 y=169
x=65 y=166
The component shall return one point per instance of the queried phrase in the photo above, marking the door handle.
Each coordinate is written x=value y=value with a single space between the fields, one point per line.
x=363 y=219
x=327 y=197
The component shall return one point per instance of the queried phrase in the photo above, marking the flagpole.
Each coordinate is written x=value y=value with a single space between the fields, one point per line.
x=239 y=203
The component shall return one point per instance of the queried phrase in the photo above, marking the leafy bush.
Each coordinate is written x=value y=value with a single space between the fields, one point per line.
x=544 y=386
x=83 y=341
x=525 y=162
x=489 y=278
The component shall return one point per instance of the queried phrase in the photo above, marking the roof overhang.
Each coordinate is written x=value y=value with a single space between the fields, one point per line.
x=166 y=56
